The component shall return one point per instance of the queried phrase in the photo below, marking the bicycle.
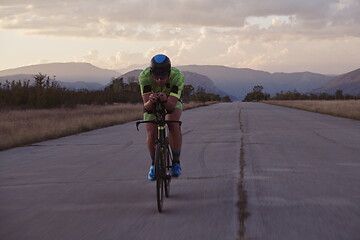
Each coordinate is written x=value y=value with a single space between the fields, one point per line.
x=163 y=155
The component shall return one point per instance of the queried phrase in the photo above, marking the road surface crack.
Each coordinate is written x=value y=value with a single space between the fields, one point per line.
x=242 y=203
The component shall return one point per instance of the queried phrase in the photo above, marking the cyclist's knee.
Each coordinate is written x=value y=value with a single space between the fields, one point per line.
x=151 y=130
x=174 y=127
x=175 y=115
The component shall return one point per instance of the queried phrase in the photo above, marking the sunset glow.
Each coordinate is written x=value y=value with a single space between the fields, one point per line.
x=277 y=36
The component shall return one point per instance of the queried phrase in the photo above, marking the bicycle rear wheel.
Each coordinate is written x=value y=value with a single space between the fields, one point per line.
x=159 y=175
x=168 y=161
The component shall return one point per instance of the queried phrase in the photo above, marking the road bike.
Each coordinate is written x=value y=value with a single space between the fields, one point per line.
x=163 y=154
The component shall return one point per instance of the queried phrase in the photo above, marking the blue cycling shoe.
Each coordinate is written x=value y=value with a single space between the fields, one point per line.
x=176 y=169
x=151 y=175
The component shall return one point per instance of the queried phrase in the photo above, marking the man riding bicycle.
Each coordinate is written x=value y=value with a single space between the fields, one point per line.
x=161 y=82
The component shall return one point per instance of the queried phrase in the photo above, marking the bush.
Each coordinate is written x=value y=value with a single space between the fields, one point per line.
x=47 y=93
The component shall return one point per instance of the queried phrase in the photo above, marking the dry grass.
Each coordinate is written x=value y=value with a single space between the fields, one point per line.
x=191 y=105
x=21 y=127
x=341 y=108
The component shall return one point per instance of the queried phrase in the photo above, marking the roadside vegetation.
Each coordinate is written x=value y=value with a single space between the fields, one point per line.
x=21 y=127
x=44 y=92
x=31 y=113
x=341 y=108
x=339 y=104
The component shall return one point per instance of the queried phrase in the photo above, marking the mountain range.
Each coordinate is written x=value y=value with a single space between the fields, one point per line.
x=68 y=75
x=191 y=78
x=235 y=82
x=240 y=81
x=349 y=83
x=69 y=85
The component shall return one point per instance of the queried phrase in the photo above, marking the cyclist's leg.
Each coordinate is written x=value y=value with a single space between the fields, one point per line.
x=151 y=139
x=175 y=135
x=152 y=132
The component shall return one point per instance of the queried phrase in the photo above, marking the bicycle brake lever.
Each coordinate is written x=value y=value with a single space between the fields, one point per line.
x=137 y=126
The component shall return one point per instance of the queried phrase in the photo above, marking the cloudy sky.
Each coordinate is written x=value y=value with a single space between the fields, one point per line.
x=272 y=35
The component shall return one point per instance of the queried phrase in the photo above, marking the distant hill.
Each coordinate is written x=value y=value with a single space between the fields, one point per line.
x=240 y=81
x=349 y=83
x=235 y=82
x=84 y=75
x=198 y=80
x=69 y=85
x=66 y=72
x=17 y=77
x=82 y=85
x=132 y=67
x=134 y=74
x=191 y=78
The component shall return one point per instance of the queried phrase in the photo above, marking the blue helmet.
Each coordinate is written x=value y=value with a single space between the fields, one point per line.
x=160 y=66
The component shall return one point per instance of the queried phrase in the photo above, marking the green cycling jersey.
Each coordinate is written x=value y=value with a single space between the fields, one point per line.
x=173 y=87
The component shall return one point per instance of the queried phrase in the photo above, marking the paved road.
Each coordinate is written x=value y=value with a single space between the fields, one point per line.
x=297 y=175
x=94 y=185
x=302 y=174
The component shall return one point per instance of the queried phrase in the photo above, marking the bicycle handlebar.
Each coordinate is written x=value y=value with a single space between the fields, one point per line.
x=161 y=111
x=157 y=122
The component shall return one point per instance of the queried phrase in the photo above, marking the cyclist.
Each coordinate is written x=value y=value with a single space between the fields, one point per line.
x=162 y=82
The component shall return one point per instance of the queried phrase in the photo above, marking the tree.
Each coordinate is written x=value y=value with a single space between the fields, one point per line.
x=226 y=99
x=339 y=94
x=200 y=94
x=256 y=94
x=187 y=92
x=258 y=88
x=39 y=80
x=117 y=84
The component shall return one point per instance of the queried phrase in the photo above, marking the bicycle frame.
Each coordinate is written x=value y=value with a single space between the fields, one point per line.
x=160 y=121
x=163 y=156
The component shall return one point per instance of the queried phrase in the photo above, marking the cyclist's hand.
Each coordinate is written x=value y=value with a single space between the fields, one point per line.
x=162 y=97
x=153 y=97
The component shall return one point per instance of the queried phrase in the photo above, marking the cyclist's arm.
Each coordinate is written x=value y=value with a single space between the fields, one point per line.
x=148 y=105
x=171 y=103
x=146 y=91
x=175 y=92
